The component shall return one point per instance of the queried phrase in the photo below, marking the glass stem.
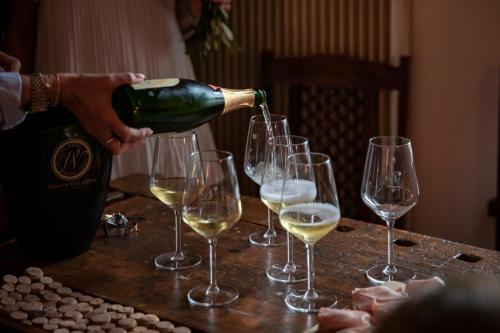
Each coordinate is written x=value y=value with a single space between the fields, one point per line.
x=178 y=235
x=391 y=268
x=311 y=292
x=270 y=233
x=212 y=288
x=290 y=265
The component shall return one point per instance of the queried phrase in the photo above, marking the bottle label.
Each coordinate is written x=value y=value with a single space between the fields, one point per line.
x=72 y=159
x=151 y=84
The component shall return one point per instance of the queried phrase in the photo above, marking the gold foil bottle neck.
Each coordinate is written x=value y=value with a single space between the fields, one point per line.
x=237 y=98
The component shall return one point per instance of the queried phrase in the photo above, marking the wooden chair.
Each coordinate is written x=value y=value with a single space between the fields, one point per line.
x=494 y=204
x=334 y=101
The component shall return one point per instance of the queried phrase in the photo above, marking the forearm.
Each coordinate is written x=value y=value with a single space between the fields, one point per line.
x=25 y=91
x=16 y=96
x=66 y=90
x=87 y=96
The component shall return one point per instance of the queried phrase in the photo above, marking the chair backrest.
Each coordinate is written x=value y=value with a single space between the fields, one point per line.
x=494 y=204
x=334 y=102
x=497 y=212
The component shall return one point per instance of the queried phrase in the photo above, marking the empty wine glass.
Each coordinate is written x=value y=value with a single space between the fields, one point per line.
x=170 y=166
x=310 y=177
x=280 y=147
x=390 y=189
x=211 y=206
x=255 y=156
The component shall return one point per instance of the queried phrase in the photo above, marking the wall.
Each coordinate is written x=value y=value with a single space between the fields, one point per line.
x=359 y=28
x=455 y=49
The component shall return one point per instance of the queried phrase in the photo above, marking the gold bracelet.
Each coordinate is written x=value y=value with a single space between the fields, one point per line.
x=38 y=94
x=52 y=88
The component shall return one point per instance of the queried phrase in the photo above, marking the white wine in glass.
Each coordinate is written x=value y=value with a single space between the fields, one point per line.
x=272 y=195
x=215 y=209
x=390 y=189
x=170 y=191
x=310 y=221
x=259 y=133
x=167 y=182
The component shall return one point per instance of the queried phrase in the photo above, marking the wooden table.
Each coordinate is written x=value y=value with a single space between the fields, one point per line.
x=121 y=269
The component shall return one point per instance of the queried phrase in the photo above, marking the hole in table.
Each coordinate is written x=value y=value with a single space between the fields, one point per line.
x=404 y=242
x=468 y=257
x=344 y=228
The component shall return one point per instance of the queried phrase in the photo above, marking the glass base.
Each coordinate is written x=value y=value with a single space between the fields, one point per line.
x=268 y=238
x=377 y=276
x=169 y=262
x=225 y=296
x=282 y=274
x=298 y=302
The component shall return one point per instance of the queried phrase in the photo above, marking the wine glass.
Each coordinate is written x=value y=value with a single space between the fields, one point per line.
x=309 y=176
x=255 y=156
x=170 y=166
x=390 y=189
x=280 y=147
x=211 y=206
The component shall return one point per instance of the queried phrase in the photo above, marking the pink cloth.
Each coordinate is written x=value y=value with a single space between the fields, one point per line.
x=338 y=319
x=380 y=310
x=417 y=286
x=365 y=298
x=370 y=305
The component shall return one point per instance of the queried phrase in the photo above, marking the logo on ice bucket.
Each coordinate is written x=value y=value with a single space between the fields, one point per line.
x=71 y=159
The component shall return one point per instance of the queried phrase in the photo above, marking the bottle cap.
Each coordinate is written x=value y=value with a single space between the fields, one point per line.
x=117 y=224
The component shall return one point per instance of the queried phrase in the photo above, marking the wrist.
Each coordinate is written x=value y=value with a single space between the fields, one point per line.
x=25 y=91
x=38 y=94
x=45 y=91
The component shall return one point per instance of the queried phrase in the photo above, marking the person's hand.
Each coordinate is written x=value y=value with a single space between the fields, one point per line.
x=88 y=96
x=9 y=63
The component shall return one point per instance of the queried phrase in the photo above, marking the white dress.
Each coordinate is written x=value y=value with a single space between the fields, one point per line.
x=103 y=36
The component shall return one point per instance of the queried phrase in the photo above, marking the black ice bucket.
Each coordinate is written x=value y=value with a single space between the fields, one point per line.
x=55 y=180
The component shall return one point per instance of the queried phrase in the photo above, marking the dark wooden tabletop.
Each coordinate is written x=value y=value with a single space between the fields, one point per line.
x=121 y=269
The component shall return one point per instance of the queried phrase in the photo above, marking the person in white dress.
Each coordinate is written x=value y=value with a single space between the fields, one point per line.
x=103 y=36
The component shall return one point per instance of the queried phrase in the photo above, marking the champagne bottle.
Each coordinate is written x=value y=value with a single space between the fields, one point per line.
x=177 y=105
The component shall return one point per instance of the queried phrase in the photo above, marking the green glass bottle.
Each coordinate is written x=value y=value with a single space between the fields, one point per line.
x=177 y=105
